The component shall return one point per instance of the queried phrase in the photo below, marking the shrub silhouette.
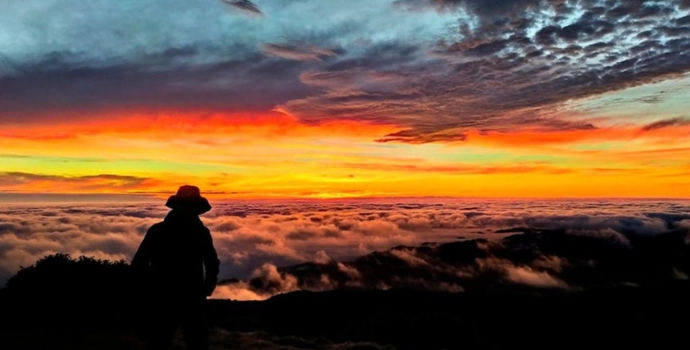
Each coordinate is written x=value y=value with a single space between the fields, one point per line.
x=67 y=292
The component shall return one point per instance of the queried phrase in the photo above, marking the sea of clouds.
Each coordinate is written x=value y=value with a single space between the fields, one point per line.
x=255 y=238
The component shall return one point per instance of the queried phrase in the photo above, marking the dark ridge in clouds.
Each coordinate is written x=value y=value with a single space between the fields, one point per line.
x=450 y=267
x=567 y=258
x=253 y=238
x=537 y=259
x=665 y=124
x=297 y=52
x=245 y=6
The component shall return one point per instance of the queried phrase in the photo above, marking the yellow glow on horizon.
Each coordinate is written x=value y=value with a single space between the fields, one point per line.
x=272 y=155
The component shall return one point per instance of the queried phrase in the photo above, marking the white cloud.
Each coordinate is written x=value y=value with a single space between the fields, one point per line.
x=291 y=233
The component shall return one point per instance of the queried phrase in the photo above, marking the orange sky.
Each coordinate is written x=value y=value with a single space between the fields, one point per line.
x=357 y=98
x=273 y=155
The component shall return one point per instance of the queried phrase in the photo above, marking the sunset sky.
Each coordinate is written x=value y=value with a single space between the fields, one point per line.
x=356 y=98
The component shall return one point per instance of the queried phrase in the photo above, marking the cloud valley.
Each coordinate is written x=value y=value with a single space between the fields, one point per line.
x=452 y=245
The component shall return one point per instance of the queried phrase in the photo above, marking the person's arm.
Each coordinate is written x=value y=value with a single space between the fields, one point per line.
x=211 y=264
x=142 y=258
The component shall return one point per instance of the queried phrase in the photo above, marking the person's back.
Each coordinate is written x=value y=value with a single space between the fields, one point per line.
x=177 y=249
x=179 y=267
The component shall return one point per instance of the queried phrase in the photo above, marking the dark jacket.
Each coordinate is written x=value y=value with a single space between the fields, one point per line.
x=174 y=254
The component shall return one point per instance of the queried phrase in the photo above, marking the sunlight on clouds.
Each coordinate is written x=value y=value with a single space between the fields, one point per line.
x=355 y=99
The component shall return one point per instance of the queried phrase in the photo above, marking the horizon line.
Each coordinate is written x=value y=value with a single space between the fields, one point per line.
x=55 y=197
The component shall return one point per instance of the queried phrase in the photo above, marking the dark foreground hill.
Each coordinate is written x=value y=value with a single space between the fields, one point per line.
x=408 y=319
x=403 y=319
x=538 y=289
x=61 y=303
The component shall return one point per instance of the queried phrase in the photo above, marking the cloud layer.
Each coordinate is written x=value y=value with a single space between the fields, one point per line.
x=513 y=65
x=439 y=69
x=254 y=238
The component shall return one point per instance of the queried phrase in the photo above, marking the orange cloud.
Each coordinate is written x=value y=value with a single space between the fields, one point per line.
x=104 y=183
x=174 y=124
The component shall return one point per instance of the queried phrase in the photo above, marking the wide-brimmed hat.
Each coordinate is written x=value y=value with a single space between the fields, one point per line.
x=189 y=198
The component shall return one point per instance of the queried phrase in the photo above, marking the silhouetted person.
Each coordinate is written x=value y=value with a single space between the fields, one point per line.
x=178 y=267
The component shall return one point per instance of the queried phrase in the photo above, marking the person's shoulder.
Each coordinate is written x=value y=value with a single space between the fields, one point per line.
x=157 y=227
